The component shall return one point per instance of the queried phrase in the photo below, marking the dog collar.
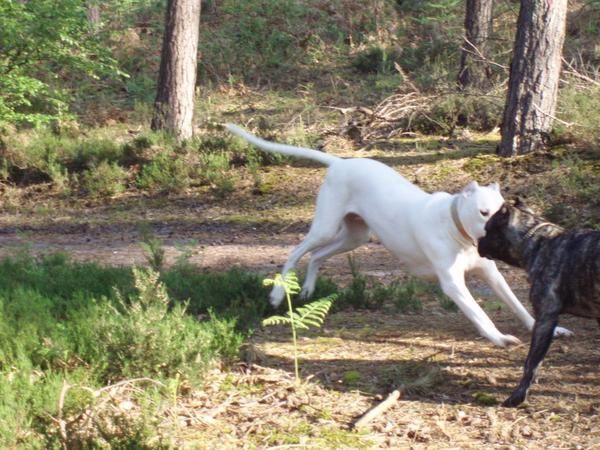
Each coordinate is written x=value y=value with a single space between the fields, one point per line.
x=458 y=224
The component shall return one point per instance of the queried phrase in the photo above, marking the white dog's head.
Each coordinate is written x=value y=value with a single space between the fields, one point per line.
x=478 y=205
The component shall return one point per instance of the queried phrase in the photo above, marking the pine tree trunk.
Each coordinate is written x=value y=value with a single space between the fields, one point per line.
x=474 y=70
x=534 y=76
x=174 y=104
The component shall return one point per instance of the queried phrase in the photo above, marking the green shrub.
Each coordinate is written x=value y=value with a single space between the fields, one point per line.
x=54 y=330
x=105 y=180
x=235 y=293
x=375 y=59
x=90 y=153
x=359 y=295
x=42 y=42
x=153 y=249
x=356 y=294
x=167 y=172
x=579 y=182
x=405 y=296
x=57 y=277
x=214 y=170
x=146 y=336
x=578 y=107
x=257 y=35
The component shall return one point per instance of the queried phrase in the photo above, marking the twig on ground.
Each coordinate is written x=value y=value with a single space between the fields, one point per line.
x=379 y=409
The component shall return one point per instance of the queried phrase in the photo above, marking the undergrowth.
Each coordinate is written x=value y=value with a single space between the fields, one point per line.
x=72 y=330
x=91 y=326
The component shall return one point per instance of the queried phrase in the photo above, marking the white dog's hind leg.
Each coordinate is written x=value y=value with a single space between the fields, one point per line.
x=489 y=273
x=453 y=285
x=353 y=234
x=278 y=291
x=326 y=224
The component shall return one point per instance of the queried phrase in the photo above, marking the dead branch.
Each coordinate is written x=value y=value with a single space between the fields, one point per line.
x=567 y=124
x=405 y=78
x=379 y=409
x=480 y=57
x=576 y=74
x=351 y=109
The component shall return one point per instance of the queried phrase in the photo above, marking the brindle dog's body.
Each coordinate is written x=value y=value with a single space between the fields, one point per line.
x=563 y=268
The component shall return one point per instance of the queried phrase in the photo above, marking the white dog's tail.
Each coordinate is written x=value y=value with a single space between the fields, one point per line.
x=272 y=147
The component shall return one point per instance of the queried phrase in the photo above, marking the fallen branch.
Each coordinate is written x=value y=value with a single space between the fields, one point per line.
x=577 y=74
x=378 y=410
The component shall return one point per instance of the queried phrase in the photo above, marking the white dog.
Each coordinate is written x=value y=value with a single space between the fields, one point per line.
x=434 y=235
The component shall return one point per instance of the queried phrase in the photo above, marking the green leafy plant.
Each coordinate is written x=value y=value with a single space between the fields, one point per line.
x=405 y=296
x=167 y=172
x=351 y=378
x=214 y=170
x=356 y=294
x=93 y=327
x=153 y=249
x=312 y=314
x=105 y=180
x=41 y=41
x=375 y=59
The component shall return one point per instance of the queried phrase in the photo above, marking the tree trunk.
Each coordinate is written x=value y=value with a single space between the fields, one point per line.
x=93 y=15
x=474 y=69
x=534 y=76
x=174 y=104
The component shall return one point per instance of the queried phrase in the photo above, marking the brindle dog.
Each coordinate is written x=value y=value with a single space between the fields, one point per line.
x=563 y=268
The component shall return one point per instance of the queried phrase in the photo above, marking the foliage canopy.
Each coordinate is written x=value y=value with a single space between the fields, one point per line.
x=45 y=46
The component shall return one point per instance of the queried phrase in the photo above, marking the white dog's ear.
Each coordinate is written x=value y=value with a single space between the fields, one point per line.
x=470 y=188
x=495 y=186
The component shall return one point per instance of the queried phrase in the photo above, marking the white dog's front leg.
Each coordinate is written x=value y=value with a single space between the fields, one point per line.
x=454 y=287
x=489 y=272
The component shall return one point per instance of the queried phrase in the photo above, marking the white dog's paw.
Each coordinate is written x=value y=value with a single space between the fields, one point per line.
x=305 y=294
x=276 y=296
x=504 y=340
x=560 y=332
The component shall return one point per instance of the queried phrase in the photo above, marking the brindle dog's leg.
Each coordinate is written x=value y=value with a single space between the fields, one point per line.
x=541 y=339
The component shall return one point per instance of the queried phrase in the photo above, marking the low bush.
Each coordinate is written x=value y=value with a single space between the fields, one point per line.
x=375 y=59
x=60 y=333
x=214 y=170
x=578 y=111
x=105 y=180
x=168 y=172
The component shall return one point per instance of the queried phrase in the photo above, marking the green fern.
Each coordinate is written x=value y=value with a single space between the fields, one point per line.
x=305 y=316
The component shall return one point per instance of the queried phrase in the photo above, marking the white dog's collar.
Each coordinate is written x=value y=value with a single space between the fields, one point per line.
x=458 y=224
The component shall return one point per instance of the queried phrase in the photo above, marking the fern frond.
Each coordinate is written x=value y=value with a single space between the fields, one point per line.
x=310 y=315
x=289 y=282
x=304 y=317
x=275 y=320
x=314 y=313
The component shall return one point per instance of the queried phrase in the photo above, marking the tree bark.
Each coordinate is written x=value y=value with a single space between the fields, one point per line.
x=174 y=104
x=474 y=69
x=534 y=76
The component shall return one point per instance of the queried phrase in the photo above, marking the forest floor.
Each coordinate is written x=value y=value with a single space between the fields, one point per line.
x=450 y=377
